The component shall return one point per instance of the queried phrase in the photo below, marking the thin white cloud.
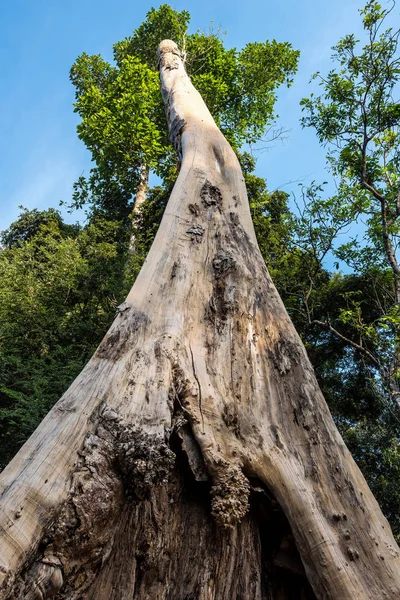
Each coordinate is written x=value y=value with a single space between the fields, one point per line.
x=50 y=165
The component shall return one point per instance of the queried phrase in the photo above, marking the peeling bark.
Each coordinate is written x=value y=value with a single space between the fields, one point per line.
x=195 y=457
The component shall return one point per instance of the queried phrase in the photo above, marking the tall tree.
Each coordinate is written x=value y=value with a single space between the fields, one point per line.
x=122 y=114
x=201 y=359
x=358 y=116
x=356 y=322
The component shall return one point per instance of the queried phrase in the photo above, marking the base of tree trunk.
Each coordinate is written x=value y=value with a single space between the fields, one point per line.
x=138 y=524
x=168 y=547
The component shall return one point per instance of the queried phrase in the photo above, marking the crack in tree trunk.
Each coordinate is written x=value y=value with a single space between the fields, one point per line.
x=202 y=342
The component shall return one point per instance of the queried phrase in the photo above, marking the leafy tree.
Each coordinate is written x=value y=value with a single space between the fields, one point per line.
x=354 y=320
x=123 y=122
x=59 y=288
x=358 y=116
x=28 y=224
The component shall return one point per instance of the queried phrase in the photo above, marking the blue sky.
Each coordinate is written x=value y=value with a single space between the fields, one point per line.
x=40 y=155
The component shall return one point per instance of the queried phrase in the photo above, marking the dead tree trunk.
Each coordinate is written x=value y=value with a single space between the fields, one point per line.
x=200 y=401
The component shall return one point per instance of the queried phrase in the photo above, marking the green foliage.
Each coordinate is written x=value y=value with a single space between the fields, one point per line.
x=59 y=287
x=354 y=320
x=262 y=67
x=29 y=223
x=359 y=116
x=146 y=223
x=162 y=23
x=119 y=119
x=238 y=87
x=122 y=114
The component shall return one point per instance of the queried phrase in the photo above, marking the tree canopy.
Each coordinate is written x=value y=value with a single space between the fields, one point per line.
x=122 y=113
x=357 y=117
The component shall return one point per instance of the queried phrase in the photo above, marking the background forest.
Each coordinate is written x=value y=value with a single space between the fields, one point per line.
x=60 y=284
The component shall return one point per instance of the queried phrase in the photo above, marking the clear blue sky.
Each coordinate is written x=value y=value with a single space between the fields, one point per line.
x=40 y=155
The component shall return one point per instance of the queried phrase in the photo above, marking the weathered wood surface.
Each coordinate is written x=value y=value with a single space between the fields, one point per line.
x=202 y=356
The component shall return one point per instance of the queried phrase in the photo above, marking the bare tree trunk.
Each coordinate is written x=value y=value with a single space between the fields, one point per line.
x=199 y=401
x=140 y=197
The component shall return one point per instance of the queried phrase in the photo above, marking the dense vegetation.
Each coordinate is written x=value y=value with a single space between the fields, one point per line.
x=60 y=284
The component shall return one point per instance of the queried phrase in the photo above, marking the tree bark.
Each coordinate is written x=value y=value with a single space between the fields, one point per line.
x=194 y=457
x=140 y=197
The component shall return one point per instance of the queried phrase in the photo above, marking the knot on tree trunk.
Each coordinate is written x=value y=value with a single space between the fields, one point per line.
x=229 y=495
x=142 y=459
x=44 y=581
